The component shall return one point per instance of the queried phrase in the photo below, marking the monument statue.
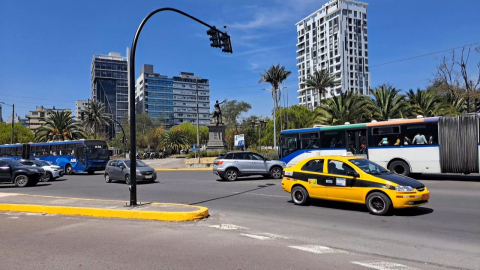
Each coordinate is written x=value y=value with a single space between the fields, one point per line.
x=217 y=113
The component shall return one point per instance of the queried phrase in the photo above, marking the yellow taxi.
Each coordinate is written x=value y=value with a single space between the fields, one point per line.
x=352 y=179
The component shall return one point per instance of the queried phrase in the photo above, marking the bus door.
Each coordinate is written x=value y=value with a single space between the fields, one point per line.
x=80 y=151
x=357 y=142
x=26 y=151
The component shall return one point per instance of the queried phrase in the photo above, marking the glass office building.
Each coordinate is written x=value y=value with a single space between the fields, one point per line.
x=109 y=82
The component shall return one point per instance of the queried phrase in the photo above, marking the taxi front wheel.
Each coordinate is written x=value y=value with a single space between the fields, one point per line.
x=378 y=203
x=299 y=195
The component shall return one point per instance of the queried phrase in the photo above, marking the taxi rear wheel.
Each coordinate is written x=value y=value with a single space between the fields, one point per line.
x=300 y=195
x=378 y=203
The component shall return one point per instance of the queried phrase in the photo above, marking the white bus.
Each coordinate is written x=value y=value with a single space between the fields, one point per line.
x=405 y=146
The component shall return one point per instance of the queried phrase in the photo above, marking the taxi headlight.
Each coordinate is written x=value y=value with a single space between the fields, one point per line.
x=404 y=188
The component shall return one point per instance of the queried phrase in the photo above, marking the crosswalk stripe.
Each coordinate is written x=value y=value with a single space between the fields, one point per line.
x=317 y=249
x=385 y=265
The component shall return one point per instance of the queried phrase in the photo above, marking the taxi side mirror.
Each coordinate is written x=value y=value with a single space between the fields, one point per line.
x=353 y=174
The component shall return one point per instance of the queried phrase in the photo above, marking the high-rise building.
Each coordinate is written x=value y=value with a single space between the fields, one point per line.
x=185 y=99
x=80 y=105
x=173 y=100
x=110 y=86
x=154 y=95
x=334 y=38
x=36 y=118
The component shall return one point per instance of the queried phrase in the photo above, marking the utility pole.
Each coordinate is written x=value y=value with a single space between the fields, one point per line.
x=13 y=122
x=198 y=124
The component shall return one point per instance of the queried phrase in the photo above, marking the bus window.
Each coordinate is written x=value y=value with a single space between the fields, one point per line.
x=289 y=144
x=421 y=134
x=332 y=139
x=386 y=136
x=309 y=141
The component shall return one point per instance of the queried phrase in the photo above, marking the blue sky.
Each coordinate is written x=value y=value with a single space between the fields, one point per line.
x=46 y=47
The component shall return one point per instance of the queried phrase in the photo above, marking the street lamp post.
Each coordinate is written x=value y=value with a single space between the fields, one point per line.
x=219 y=40
x=13 y=120
x=124 y=138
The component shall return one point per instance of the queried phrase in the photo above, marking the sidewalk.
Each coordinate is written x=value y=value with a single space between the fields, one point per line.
x=17 y=202
x=172 y=164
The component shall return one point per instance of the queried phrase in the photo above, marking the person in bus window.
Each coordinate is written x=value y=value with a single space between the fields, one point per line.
x=332 y=143
x=363 y=149
x=430 y=140
x=406 y=141
x=419 y=139
x=384 y=142
x=397 y=142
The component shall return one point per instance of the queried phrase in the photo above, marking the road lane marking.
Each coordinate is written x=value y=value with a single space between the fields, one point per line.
x=8 y=194
x=317 y=249
x=228 y=227
x=274 y=236
x=254 y=236
x=385 y=265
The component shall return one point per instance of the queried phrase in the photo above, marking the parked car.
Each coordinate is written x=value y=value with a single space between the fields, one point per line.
x=12 y=171
x=51 y=171
x=119 y=169
x=234 y=164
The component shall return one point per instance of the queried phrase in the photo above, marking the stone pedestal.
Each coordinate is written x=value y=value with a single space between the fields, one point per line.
x=216 y=138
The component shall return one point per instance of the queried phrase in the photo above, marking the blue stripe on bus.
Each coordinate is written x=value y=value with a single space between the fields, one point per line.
x=402 y=146
x=293 y=155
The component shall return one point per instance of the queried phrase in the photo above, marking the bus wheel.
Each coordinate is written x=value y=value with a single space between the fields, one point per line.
x=68 y=169
x=399 y=167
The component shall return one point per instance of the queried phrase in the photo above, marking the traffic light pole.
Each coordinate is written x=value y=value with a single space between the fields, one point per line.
x=225 y=38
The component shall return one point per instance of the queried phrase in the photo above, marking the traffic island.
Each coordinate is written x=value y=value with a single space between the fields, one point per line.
x=16 y=202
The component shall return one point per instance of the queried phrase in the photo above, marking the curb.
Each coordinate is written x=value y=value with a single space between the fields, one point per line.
x=201 y=213
x=186 y=169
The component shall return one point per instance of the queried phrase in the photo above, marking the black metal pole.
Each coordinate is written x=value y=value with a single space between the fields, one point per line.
x=13 y=123
x=131 y=95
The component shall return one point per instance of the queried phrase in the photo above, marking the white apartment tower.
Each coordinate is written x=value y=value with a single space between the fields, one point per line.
x=334 y=38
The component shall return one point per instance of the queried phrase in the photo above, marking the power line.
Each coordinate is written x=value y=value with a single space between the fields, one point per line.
x=423 y=55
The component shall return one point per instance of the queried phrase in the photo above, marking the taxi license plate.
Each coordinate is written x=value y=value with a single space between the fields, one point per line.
x=148 y=176
x=426 y=196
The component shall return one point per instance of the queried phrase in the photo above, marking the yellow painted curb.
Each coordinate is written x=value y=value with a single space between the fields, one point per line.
x=186 y=169
x=201 y=213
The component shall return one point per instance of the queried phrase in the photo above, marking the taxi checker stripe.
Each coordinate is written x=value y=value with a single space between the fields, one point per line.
x=321 y=180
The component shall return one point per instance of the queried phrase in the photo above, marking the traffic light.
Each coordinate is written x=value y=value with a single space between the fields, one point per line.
x=226 y=44
x=214 y=37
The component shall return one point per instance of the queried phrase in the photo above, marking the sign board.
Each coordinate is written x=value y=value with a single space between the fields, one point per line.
x=239 y=140
x=194 y=149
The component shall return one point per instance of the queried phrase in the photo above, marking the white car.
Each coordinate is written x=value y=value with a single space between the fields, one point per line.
x=52 y=172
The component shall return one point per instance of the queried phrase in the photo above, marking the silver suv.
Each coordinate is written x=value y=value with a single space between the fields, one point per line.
x=232 y=165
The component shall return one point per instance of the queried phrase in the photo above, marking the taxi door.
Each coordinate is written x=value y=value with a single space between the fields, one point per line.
x=312 y=173
x=340 y=186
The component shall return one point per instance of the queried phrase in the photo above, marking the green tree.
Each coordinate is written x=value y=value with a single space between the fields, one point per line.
x=175 y=139
x=21 y=133
x=232 y=110
x=426 y=103
x=320 y=81
x=388 y=103
x=59 y=125
x=95 y=117
x=346 y=107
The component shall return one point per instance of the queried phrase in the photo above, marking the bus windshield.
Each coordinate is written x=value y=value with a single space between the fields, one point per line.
x=97 y=150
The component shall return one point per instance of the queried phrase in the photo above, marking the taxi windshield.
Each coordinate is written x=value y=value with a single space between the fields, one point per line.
x=369 y=167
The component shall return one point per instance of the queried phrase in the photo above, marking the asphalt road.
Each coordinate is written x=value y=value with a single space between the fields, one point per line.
x=444 y=233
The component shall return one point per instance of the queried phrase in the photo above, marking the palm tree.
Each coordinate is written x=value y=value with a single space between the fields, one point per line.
x=59 y=125
x=426 y=103
x=174 y=139
x=456 y=104
x=346 y=107
x=320 y=81
x=95 y=116
x=275 y=75
x=388 y=103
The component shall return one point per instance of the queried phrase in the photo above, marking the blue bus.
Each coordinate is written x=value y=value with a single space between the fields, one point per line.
x=73 y=156
x=405 y=146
